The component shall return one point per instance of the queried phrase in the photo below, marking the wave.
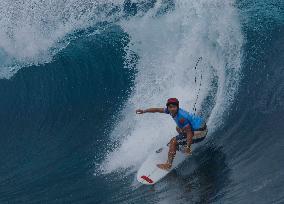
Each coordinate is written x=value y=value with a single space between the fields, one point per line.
x=77 y=71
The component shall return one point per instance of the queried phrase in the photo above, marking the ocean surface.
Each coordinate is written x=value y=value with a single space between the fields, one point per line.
x=72 y=74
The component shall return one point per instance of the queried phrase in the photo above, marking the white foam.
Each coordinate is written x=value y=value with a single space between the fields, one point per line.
x=32 y=31
x=168 y=47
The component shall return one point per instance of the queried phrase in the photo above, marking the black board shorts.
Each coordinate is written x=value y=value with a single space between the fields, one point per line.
x=198 y=136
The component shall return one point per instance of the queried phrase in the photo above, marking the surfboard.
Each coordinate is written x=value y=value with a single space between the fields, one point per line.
x=150 y=174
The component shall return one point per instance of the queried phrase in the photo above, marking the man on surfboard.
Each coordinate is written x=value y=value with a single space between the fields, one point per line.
x=191 y=129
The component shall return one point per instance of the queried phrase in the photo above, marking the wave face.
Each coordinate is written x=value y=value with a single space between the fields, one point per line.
x=73 y=73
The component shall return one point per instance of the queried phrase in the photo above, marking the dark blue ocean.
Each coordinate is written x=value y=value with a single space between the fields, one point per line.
x=72 y=74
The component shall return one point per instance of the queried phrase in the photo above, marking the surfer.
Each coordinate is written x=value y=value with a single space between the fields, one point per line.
x=191 y=129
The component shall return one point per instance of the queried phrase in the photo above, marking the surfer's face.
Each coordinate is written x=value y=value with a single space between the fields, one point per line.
x=172 y=109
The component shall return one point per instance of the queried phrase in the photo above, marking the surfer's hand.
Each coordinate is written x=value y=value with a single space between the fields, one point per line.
x=187 y=150
x=139 y=111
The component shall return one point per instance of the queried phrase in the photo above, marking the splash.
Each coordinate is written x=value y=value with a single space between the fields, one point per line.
x=168 y=47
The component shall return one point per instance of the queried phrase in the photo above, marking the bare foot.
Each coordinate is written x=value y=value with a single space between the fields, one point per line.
x=165 y=166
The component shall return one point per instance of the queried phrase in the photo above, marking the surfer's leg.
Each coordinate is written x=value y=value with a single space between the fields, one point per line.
x=172 y=150
x=171 y=155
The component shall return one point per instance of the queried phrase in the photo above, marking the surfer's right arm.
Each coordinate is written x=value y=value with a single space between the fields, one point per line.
x=150 y=110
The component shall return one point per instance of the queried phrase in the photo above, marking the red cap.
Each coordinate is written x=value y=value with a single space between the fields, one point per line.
x=173 y=101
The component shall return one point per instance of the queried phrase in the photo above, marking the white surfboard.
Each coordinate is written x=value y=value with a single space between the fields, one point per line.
x=150 y=174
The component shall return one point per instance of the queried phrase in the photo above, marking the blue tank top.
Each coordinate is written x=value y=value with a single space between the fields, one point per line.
x=184 y=118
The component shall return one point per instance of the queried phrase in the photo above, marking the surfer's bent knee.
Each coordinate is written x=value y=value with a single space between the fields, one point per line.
x=173 y=141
